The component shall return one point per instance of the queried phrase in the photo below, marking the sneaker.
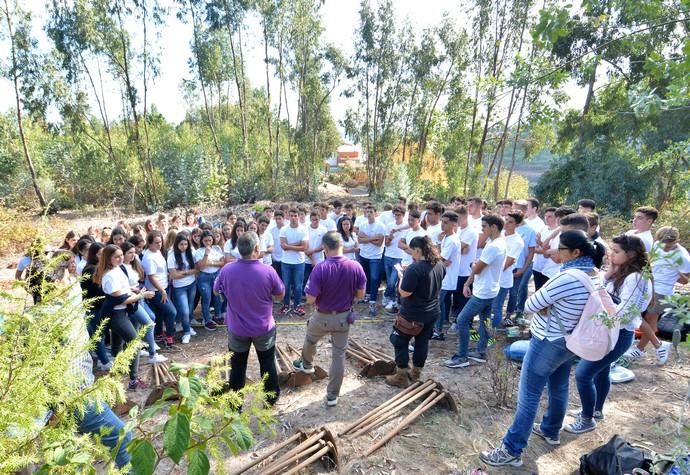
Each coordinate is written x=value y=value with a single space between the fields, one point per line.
x=210 y=326
x=662 y=353
x=453 y=330
x=169 y=341
x=410 y=348
x=476 y=356
x=155 y=359
x=285 y=310
x=372 y=309
x=219 y=321
x=597 y=416
x=104 y=367
x=298 y=364
x=155 y=346
x=159 y=338
x=499 y=457
x=437 y=336
x=364 y=300
x=457 y=362
x=331 y=401
x=581 y=425
x=634 y=354
x=178 y=327
x=392 y=308
x=185 y=338
x=143 y=352
x=299 y=311
x=536 y=429
x=136 y=384
x=192 y=332
x=385 y=301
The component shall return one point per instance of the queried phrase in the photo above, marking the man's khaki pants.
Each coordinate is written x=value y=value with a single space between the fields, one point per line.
x=336 y=325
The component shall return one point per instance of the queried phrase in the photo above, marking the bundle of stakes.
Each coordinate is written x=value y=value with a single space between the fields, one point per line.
x=375 y=361
x=311 y=446
x=288 y=375
x=430 y=393
x=162 y=378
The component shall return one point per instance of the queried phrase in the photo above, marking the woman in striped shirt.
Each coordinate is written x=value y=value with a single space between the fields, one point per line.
x=548 y=361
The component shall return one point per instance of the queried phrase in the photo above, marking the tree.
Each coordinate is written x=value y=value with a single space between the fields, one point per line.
x=24 y=71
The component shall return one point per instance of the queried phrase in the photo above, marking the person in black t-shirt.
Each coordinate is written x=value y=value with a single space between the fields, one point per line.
x=419 y=289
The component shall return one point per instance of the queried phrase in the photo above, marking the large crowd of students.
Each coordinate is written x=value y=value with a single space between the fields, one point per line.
x=439 y=266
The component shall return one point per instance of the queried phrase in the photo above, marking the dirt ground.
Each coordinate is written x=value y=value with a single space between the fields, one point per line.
x=645 y=411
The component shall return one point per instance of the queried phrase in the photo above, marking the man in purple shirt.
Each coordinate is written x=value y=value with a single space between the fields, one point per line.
x=333 y=285
x=249 y=287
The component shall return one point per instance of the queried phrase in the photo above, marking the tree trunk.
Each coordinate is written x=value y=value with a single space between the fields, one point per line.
x=20 y=121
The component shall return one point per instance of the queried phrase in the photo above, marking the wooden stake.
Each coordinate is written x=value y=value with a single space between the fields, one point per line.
x=324 y=450
x=269 y=454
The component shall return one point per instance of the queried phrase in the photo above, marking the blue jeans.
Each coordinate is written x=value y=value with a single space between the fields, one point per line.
x=293 y=276
x=444 y=300
x=142 y=319
x=183 y=297
x=372 y=269
x=205 y=285
x=519 y=291
x=547 y=363
x=93 y=421
x=474 y=306
x=497 y=306
x=592 y=377
x=165 y=312
x=391 y=276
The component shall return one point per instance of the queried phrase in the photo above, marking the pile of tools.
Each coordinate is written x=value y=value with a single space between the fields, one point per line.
x=311 y=446
x=288 y=375
x=376 y=362
x=430 y=393
x=162 y=378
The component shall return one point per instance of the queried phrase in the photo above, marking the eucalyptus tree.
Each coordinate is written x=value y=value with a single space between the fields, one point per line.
x=23 y=69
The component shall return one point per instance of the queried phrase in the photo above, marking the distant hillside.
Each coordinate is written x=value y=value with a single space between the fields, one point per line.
x=533 y=168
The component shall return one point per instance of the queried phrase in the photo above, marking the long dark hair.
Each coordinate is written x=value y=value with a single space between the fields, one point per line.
x=577 y=239
x=637 y=254
x=427 y=247
x=233 y=235
x=104 y=264
x=342 y=231
x=136 y=265
x=179 y=265
x=91 y=256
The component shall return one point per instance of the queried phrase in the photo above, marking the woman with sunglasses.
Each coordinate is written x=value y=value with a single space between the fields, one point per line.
x=626 y=283
x=547 y=361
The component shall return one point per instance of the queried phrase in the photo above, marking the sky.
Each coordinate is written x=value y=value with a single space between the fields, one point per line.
x=340 y=19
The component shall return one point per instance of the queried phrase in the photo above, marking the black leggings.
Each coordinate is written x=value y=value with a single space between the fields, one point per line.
x=401 y=342
x=124 y=331
x=267 y=365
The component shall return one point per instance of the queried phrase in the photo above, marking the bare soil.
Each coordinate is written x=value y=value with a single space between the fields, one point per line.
x=645 y=411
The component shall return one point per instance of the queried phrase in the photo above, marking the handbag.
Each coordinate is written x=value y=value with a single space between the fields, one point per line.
x=408 y=327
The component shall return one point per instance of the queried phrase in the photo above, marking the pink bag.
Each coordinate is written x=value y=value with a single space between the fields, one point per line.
x=592 y=338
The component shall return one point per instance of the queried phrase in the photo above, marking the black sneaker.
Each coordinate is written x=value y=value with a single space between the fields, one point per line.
x=220 y=322
x=210 y=326
x=438 y=336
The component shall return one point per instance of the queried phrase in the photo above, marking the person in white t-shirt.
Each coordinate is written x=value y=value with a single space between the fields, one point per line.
x=468 y=240
x=642 y=222
x=414 y=219
x=324 y=220
x=350 y=244
x=386 y=217
x=337 y=210
x=277 y=254
x=532 y=218
x=230 y=249
x=393 y=256
x=474 y=214
x=371 y=236
x=434 y=210
x=514 y=247
x=209 y=259
x=552 y=265
x=314 y=253
x=183 y=275
x=670 y=265
x=156 y=270
x=540 y=260
x=485 y=281
x=451 y=249
x=294 y=241
x=265 y=239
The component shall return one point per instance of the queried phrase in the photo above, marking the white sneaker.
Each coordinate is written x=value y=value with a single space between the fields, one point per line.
x=143 y=352
x=192 y=332
x=185 y=338
x=156 y=347
x=453 y=330
x=178 y=327
x=410 y=348
x=634 y=354
x=385 y=301
x=662 y=353
x=155 y=359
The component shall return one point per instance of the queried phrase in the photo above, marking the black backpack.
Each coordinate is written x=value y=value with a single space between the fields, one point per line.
x=616 y=457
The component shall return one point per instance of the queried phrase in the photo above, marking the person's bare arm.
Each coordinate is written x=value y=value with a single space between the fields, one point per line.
x=509 y=262
x=164 y=294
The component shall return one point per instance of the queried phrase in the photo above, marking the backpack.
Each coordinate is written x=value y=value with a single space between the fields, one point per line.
x=591 y=339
